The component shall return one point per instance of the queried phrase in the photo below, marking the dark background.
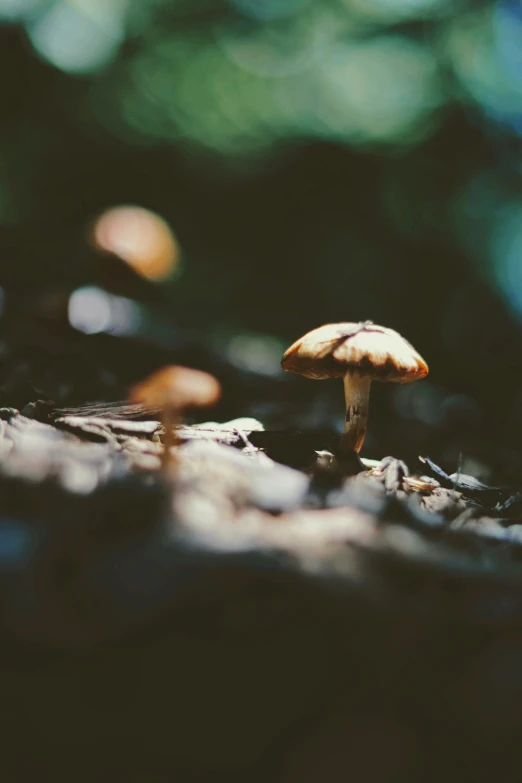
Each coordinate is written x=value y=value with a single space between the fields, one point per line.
x=316 y=161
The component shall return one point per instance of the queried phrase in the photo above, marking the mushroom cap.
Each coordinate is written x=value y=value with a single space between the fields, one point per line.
x=333 y=350
x=177 y=388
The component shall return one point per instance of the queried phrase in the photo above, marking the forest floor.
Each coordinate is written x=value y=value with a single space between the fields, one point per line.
x=280 y=614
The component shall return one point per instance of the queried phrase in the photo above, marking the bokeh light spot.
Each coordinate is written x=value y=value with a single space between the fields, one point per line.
x=257 y=353
x=16 y=542
x=276 y=50
x=423 y=402
x=481 y=45
x=17 y=10
x=79 y=36
x=92 y=310
x=380 y=89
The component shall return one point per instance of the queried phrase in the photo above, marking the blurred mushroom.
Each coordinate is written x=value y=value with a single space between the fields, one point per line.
x=173 y=390
x=140 y=238
x=359 y=353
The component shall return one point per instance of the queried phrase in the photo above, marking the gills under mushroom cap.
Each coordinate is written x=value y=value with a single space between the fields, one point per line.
x=333 y=350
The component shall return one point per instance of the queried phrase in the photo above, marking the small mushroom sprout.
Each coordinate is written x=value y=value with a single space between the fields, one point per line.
x=359 y=353
x=173 y=390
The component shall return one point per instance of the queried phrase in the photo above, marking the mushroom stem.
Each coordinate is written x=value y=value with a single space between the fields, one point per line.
x=170 y=421
x=357 y=395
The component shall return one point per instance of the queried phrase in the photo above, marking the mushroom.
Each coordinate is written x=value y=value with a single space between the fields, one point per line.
x=359 y=353
x=173 y=390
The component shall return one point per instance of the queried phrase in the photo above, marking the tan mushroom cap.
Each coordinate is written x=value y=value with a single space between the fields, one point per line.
x=333 y=350
x=177 y=388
